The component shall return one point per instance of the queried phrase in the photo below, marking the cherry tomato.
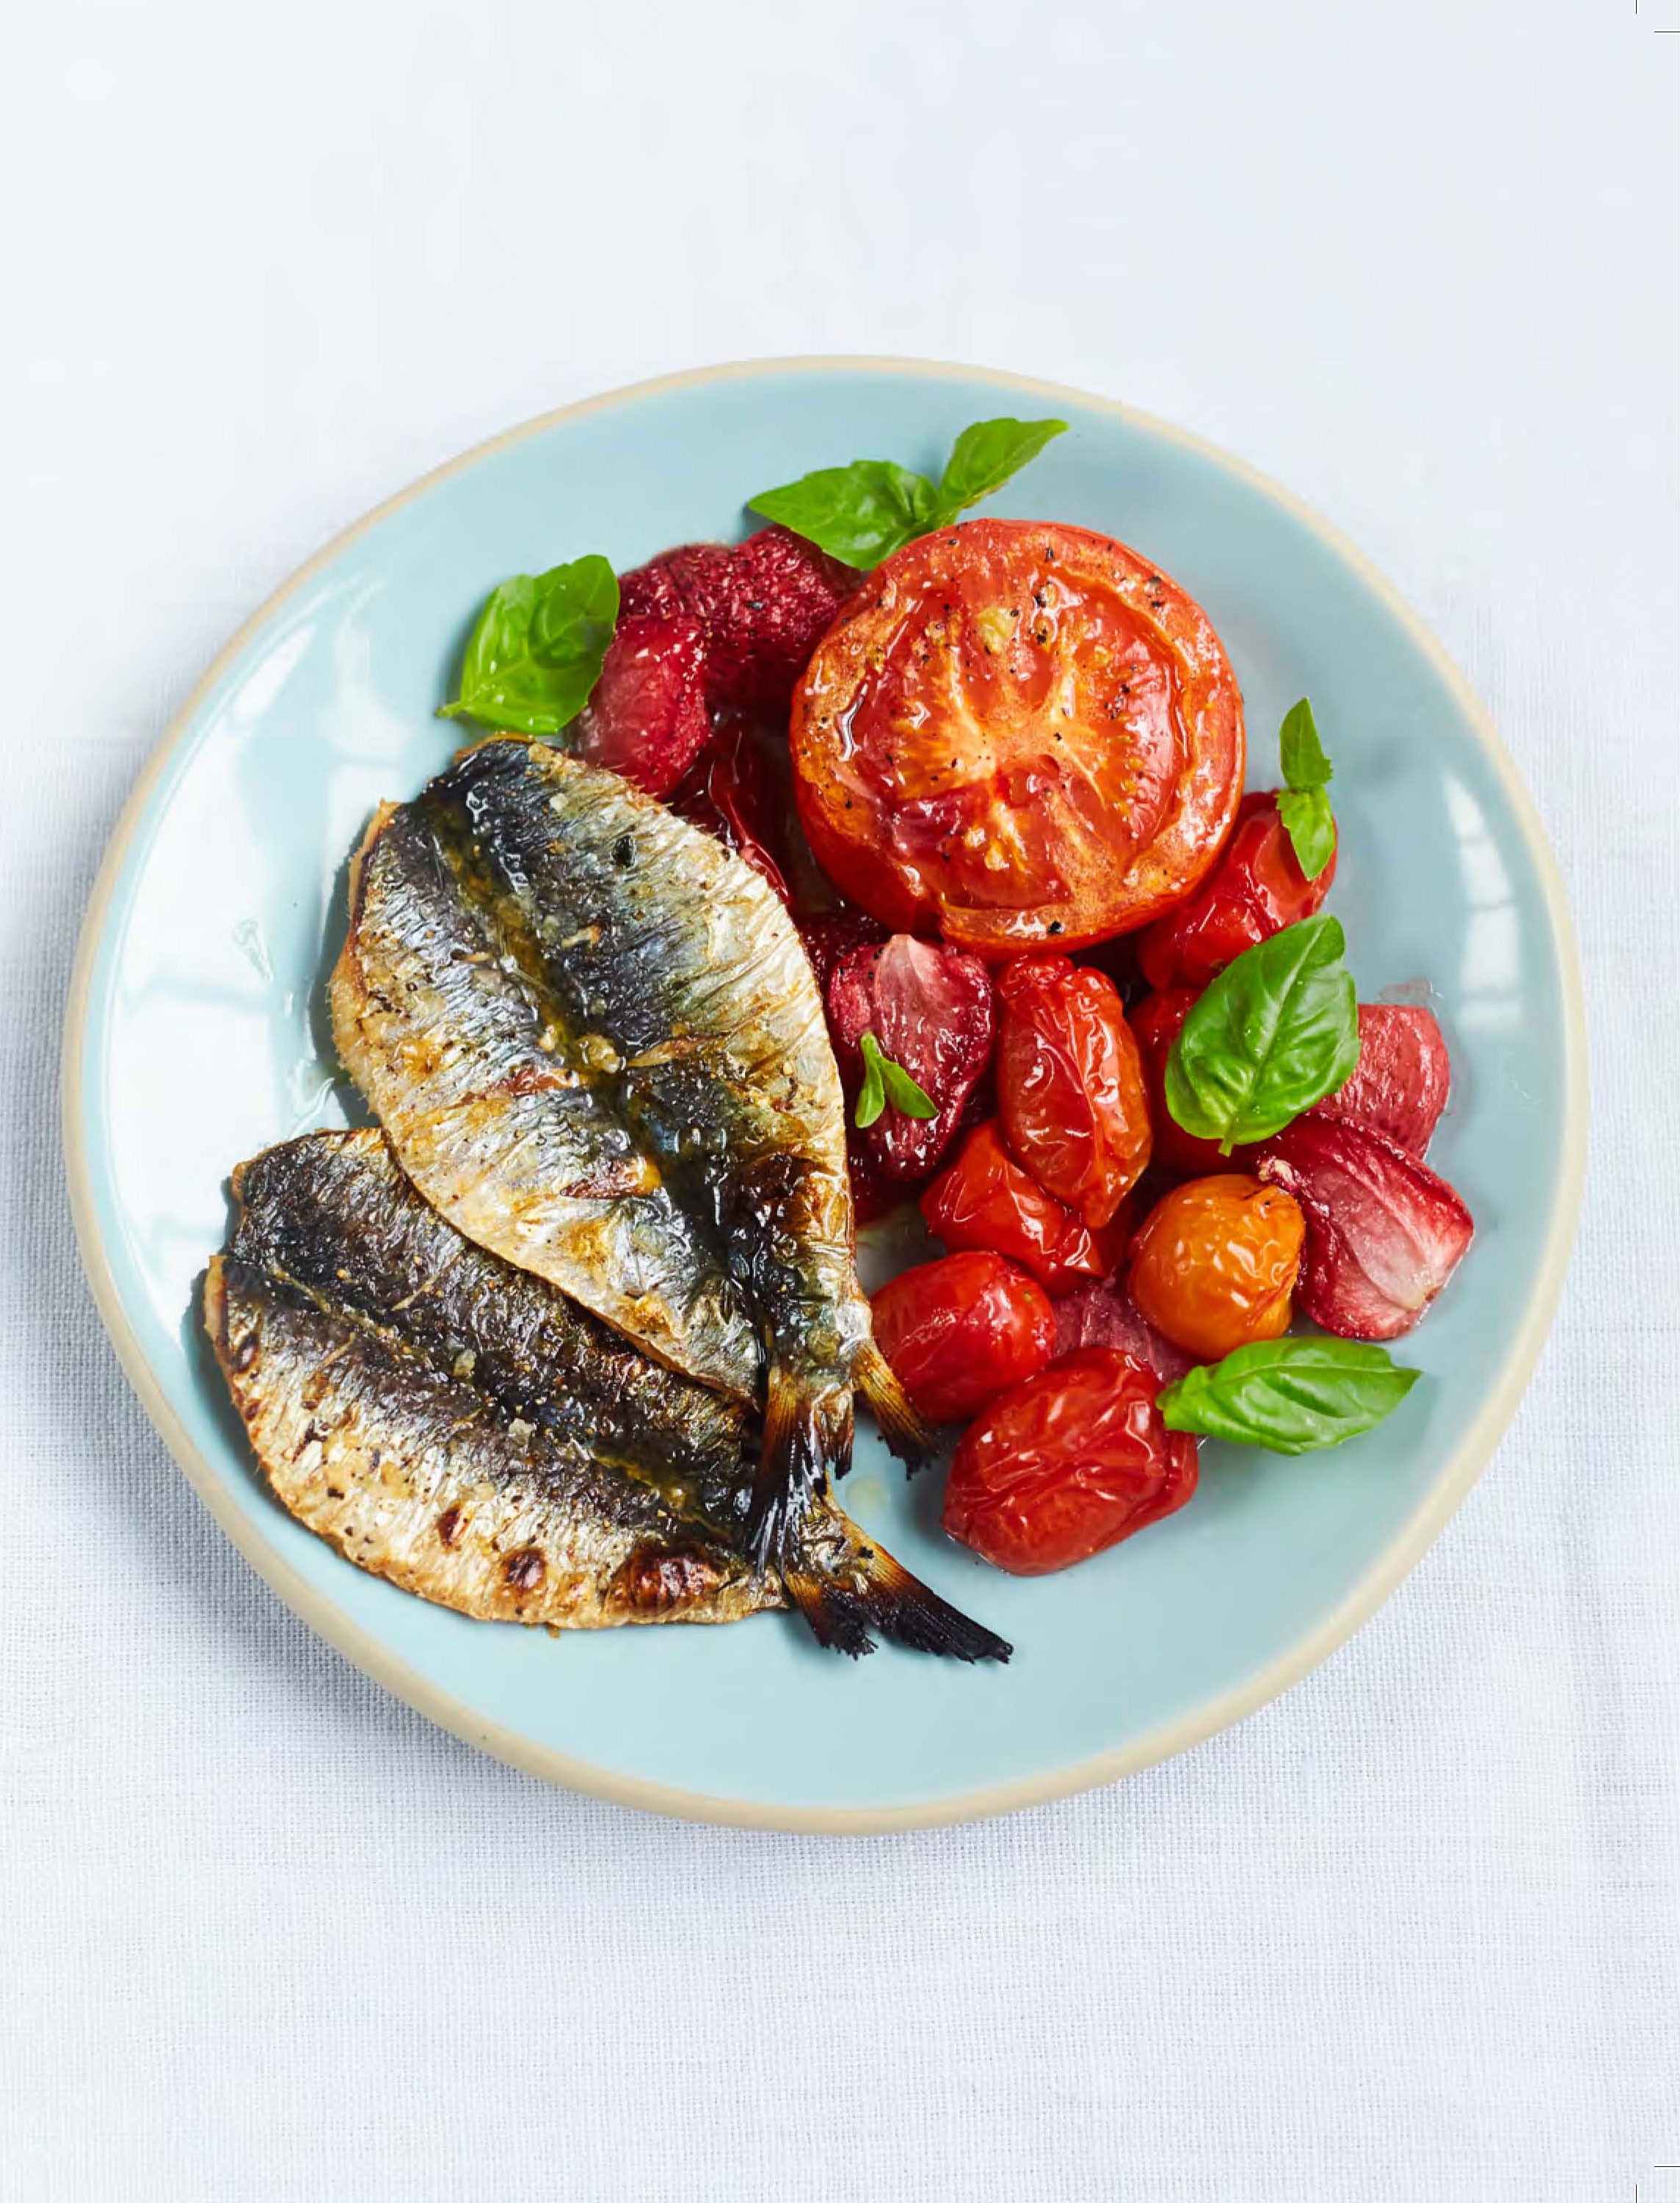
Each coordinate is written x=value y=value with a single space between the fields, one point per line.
x=1214 y=1265
x=1256 y=889
x=962 y=1330
x=986 y=1200
x=1066 y=1464
x=1070 y=1088
x=1018 y=734
x=1156 y=1023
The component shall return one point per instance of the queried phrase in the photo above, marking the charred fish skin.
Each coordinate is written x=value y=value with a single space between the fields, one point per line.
x=679 y=966
x=332 y=1214
x=489 y=1446
x=441 y=1019
x=415 y=1478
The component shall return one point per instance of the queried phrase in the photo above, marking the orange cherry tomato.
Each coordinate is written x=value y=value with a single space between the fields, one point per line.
x=986 y=1200
x=962 y=1330
x=1018 y=734
x=1214 y=1264
x=1070 y=1088
x=1156 y=1023
x=1256 y=889
x=1066 y=1464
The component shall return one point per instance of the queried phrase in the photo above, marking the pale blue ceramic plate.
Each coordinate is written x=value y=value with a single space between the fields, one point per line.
x=196 y=1036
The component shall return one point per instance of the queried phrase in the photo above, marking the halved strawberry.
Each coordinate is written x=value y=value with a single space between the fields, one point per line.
x=1401 y=1082
x=930 y=1010
x=764 y=603
x=647 y=719
x=1384 y=1232
x=1102 y=1314
x=832 y=935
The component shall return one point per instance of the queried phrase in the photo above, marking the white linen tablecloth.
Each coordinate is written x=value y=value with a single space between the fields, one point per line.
x=1412 y=1932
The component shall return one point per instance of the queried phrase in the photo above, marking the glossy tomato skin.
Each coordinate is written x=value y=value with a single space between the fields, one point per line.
x=1256 y=889
x=962 y=1330
x=1067 y=1463
x=985 y=1199
x=1071 y=1091
x=1215 y=1263
x=1017 y=734
x=1156 y=1023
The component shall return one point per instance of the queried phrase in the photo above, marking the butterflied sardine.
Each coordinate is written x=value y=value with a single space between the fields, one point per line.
x=596 y=1043
x=461 y=1426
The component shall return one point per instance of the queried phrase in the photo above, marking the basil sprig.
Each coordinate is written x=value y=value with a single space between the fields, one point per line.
x=536 y=651
x=1289 y=1394
x=863 y=513
x=1302 y=804
x=885 y=1081
x=1276 y=1030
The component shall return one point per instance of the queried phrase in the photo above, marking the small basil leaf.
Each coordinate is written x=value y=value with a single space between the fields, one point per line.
x=1274 y=1033
x=873 y=1099
x=1311 y=825
x=985 y=455
x=1304 y=764
x=859 y=514
x=909 y=1099
x=535 y=653
x=1289 y=1395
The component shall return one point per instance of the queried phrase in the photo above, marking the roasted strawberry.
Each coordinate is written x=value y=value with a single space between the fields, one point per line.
x=647 y=719
x=764 y=603
x=930 y=1011
x=1384 y=1232
x=1401 y=1083
x=833 y=934
x=872 y=1195
x=1102 y=1313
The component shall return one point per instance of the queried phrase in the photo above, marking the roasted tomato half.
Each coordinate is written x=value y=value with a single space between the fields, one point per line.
x=1072 y=1461
x=1256 y=889
x=1019 y=734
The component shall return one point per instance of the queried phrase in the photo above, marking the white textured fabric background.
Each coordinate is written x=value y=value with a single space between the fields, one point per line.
x=1414 y=1932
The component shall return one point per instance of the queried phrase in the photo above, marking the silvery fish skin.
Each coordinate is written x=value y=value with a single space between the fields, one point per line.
x=594 y=1038
x=458 y=1426
x=420 y=1407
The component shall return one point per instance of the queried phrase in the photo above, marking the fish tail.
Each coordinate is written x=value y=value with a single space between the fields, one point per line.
x=869 y=1593
x=901 y=1426
x=807 y=1435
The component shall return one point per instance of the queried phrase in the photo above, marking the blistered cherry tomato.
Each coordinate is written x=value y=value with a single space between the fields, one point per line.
x=986 y=1200
x=1255 y=890
x=962 y=1330
x=1072 y=1461
x=1070 y=1088
x=1017 y=734
x=1156 y=1023
x=1215 y=1262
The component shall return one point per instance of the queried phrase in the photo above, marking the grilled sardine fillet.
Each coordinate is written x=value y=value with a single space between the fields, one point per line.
x=596 y=1043
x=459 y=1426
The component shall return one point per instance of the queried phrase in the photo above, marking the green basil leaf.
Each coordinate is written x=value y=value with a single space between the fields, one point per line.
x=1276 y=1032
x=909 y=1099
x=1289 y=1395
x=1311 y=825
x=864 y=512
x=1304 y=764
x=985 y=455
x=858 y=514
x=873 y=1099
x=535 y=653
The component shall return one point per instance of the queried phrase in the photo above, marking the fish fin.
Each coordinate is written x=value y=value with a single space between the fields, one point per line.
x=871 y=1592
x=807 y=1435
x=901 y=1426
